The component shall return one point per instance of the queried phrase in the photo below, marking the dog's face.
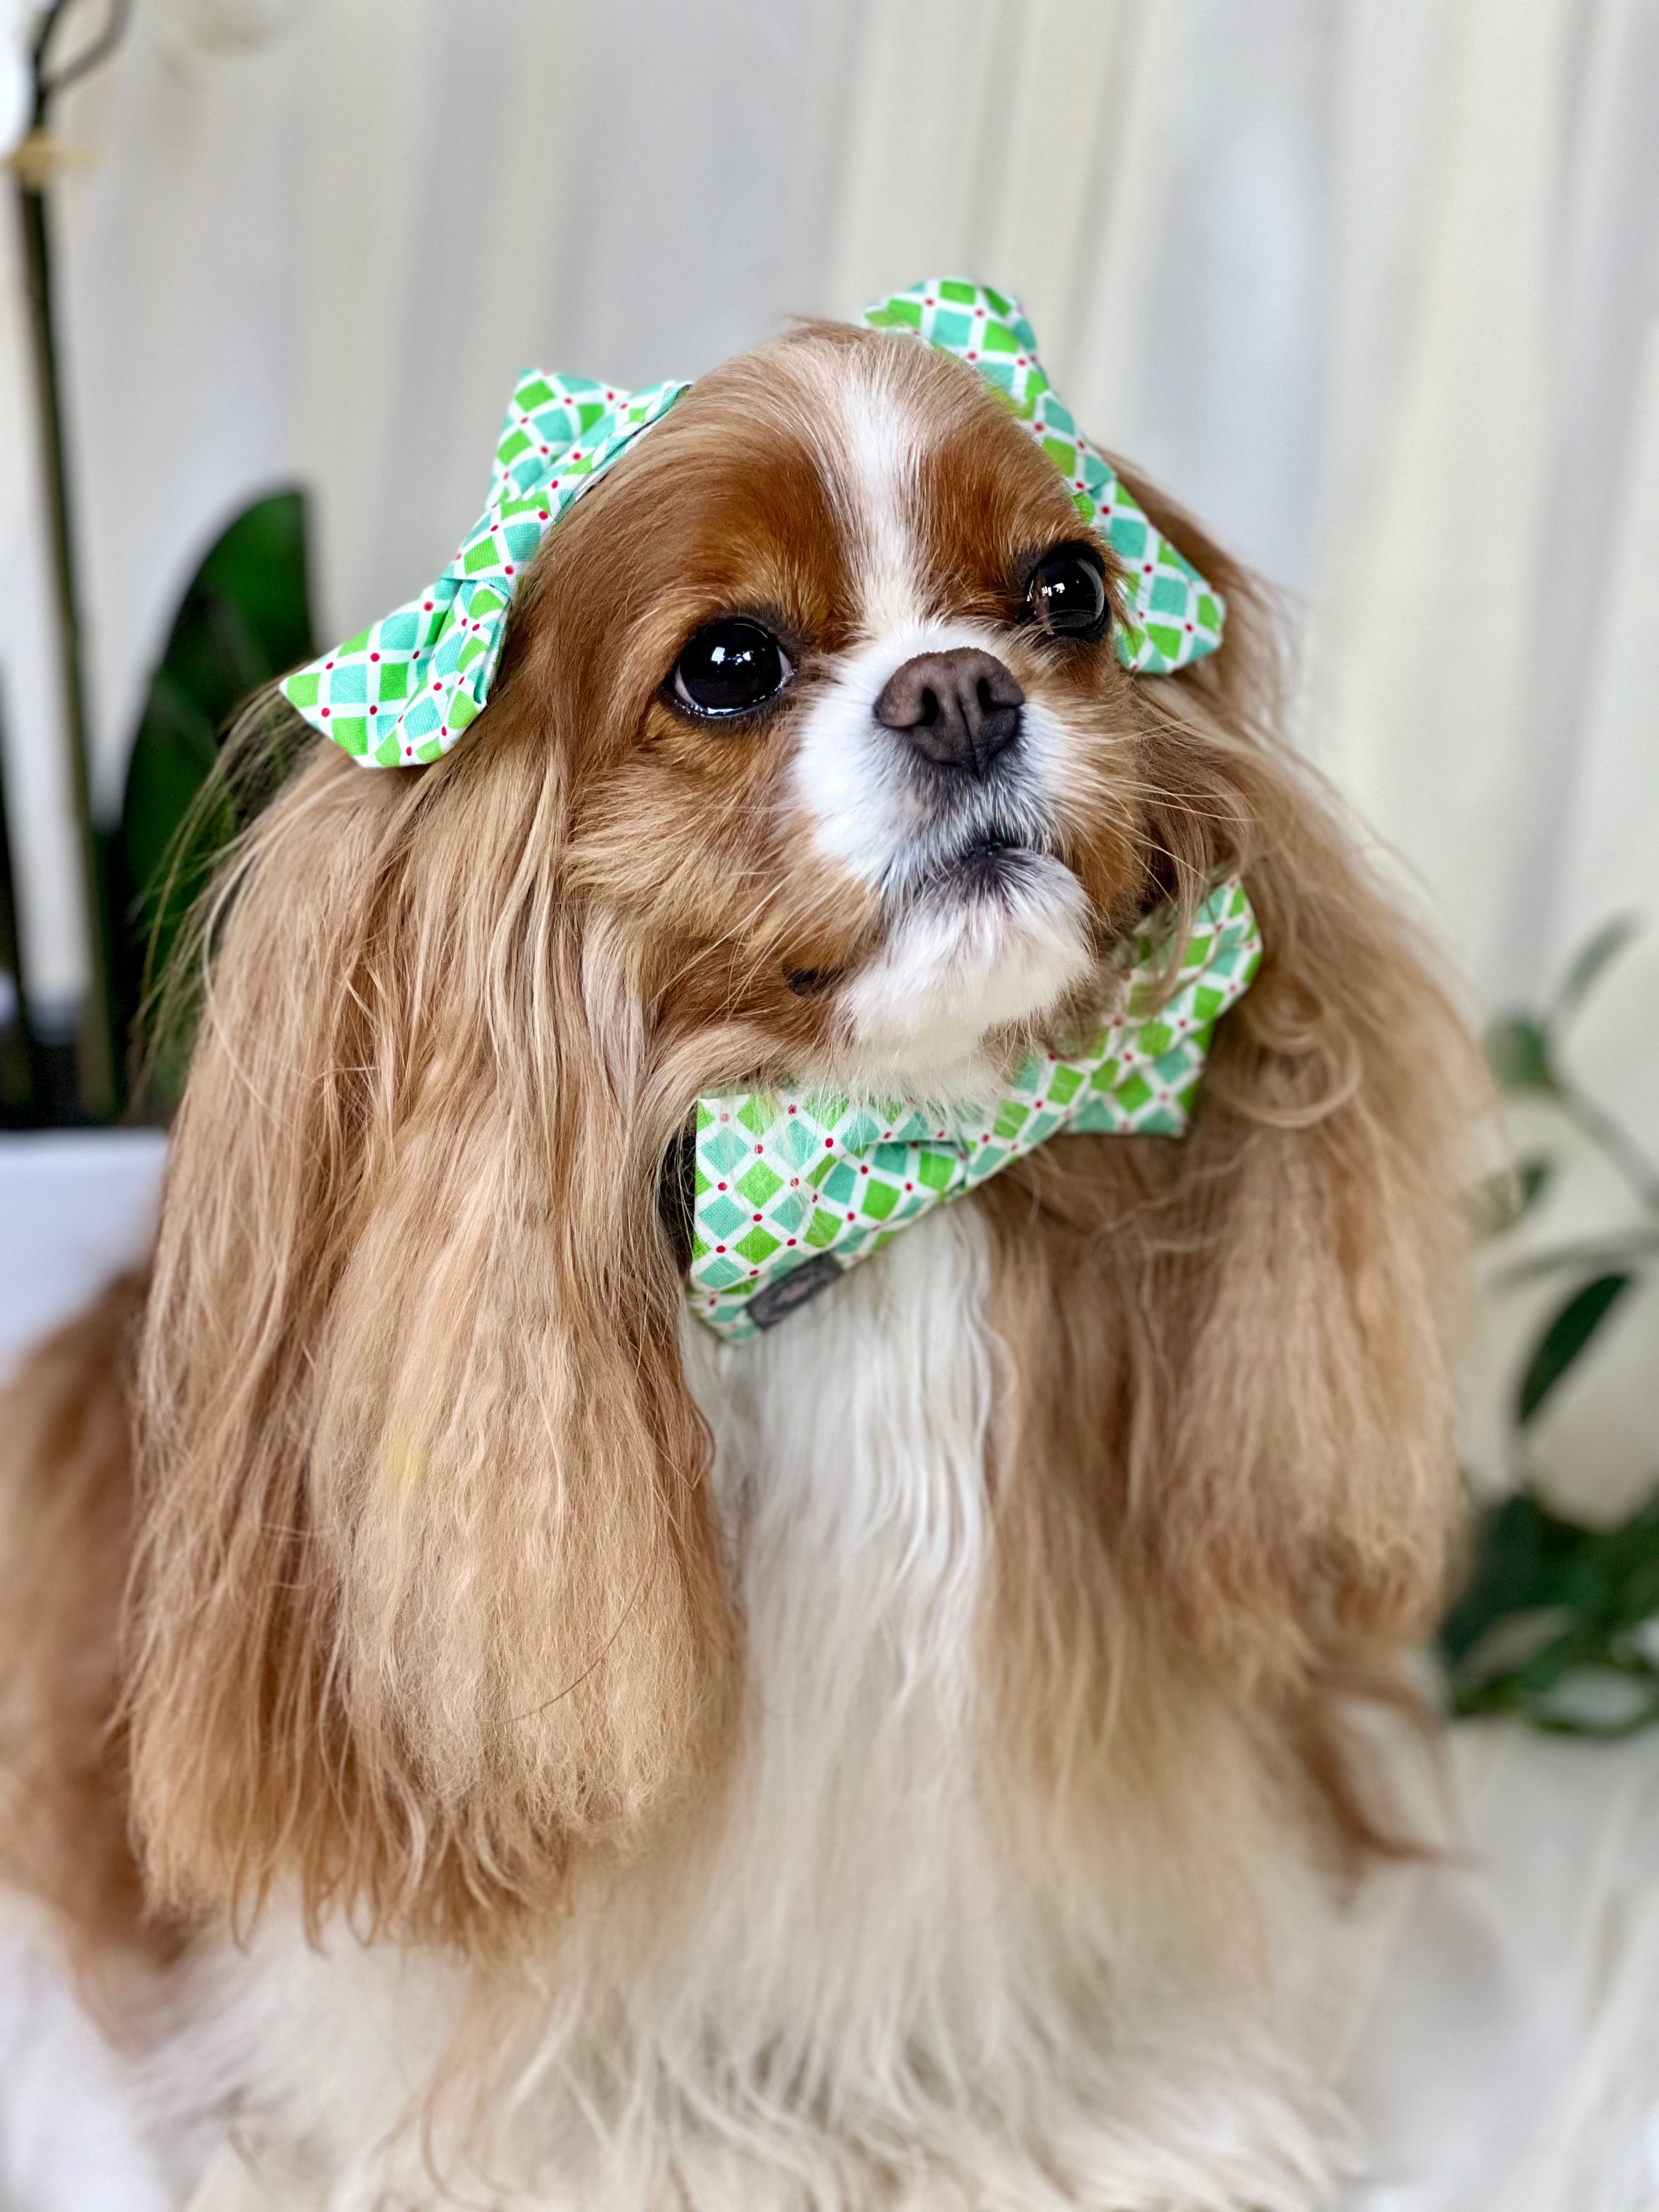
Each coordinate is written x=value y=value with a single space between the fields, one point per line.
x=856 y=757
x=811 y=758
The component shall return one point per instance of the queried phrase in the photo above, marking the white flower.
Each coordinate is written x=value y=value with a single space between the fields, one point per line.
x=16 y=76
x=219 y=26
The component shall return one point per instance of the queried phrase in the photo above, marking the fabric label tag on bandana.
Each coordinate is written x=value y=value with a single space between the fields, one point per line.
x=792 y=1188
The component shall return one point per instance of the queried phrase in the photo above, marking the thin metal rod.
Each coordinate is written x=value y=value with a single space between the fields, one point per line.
x=47 y=87
x=19 y=1091
x=96 y=1051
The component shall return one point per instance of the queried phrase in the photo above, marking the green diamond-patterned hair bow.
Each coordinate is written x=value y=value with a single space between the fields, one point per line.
x=1173 y=615
x=405 y=690
x=792 y=1188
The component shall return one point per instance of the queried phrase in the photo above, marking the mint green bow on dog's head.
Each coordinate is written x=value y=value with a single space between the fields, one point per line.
x=1171 y=616
x=404 y=690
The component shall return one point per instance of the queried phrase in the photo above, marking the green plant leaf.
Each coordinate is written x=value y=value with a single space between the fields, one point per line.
x=1604 y=946
x=1558 y=1623
x=1511 y=1574
x=1555 y=1618
x=1518 y=1053
x=1566 y=1338
x=1502 y=1201
x=172 y=757
x=1532 y=1177
x=244 y=619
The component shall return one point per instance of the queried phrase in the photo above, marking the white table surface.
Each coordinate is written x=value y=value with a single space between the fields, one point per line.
x=75 y=1208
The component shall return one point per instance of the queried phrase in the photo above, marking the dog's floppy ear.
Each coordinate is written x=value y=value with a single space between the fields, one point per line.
x=1233 y=1347
x=426 y=1599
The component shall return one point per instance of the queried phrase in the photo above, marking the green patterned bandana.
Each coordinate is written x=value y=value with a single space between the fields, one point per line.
x=792 y=1188
x=405 y=690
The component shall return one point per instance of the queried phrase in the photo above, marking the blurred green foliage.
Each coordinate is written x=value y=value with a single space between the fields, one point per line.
x=243 y=620
x=1557 y=1621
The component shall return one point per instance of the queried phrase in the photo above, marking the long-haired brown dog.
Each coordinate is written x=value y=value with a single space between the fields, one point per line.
x=900 y=1761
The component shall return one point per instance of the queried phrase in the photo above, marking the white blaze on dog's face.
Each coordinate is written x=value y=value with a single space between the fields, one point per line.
x=864 y=771
x=929 y=771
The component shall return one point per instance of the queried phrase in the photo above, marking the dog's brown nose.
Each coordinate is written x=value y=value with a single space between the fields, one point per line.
x=960 y=709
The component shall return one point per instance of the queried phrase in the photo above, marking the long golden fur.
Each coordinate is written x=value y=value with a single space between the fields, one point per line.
x=428 y=1609
x=1239 y=1345
x=65 y=1537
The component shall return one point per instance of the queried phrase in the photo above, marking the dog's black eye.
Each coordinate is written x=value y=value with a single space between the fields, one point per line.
x=1068 y=592
x=729 y=668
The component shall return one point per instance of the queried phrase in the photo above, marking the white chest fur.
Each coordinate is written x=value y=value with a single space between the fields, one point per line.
x=851 y=1896
x=851 y=1995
